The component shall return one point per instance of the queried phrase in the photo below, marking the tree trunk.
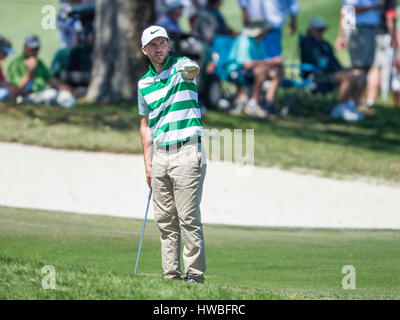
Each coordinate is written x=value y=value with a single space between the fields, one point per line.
x=118 y=62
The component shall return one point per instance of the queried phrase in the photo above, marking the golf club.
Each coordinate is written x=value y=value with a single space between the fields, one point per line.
x=144 y=225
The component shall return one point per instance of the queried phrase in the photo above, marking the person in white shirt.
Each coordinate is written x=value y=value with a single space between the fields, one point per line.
x=369 y=42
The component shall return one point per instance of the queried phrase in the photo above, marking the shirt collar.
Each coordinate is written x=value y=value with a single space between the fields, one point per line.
x=166 y=66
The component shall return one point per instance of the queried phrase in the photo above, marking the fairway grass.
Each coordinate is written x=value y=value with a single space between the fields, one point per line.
x=317 y=144
x=94 y=258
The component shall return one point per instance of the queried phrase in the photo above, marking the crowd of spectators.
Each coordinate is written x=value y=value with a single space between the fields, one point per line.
x=255 y=54
x=373 y=49
x=29 y=80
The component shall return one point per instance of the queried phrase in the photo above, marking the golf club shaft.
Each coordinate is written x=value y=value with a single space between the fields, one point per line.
x=144 y=225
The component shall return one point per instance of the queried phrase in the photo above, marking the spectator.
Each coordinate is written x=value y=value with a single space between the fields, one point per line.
x=366 y=42
x=273 y=12
x=191 y=10
x=67 y=26
x=70 y=24
x=247 y=57
x=385 y=43
x=72 y=66
x=32 y=77
x=361 y=39
x=328 y=72
x=210 y=22
x=6 y=89
x=170 y=19
x=396 y=66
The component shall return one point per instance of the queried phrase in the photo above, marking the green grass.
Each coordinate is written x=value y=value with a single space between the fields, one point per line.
x=94 y=258
x=312 y=142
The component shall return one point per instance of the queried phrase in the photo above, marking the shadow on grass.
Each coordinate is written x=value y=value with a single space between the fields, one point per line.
x=121 y=117
x=380 y=133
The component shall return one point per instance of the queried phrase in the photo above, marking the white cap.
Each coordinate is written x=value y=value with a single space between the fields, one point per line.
x=153 y=32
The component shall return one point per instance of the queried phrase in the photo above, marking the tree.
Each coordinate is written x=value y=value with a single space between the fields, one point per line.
x=118 y=62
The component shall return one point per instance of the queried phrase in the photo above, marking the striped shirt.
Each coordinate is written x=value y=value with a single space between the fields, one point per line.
x=171 y=102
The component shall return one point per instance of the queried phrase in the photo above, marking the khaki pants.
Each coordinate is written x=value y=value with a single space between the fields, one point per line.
x=177 y=182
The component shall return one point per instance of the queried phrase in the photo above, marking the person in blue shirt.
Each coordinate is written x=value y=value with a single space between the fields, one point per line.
x=371 y=41
x=170 y=19
x=274 y=13
x=7 y=89
x=328 y=73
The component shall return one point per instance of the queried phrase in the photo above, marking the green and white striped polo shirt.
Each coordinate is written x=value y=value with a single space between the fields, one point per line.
x=171 y=102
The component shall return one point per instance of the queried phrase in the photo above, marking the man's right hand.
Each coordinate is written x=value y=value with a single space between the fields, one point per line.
x=147 y=145
x=148 y=175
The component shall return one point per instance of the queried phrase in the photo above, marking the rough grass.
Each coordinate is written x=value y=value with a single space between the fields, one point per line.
x=94 y=257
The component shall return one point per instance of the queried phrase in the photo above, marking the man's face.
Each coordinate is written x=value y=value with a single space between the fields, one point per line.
x=157 y=50
x=31 y=52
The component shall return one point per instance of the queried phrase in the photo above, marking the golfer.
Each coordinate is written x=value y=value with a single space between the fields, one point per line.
x=171 y=130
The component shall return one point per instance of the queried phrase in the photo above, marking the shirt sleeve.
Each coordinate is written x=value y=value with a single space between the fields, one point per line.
x=144 y=109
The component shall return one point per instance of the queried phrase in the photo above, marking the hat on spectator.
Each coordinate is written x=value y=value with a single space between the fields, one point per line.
x=173 y=5
x=32 y=42
x=256 y=28
x=317 y=23
x=153 y=32
x=6 y=46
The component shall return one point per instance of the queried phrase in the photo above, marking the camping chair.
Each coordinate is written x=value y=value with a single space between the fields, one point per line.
x=223 y=89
